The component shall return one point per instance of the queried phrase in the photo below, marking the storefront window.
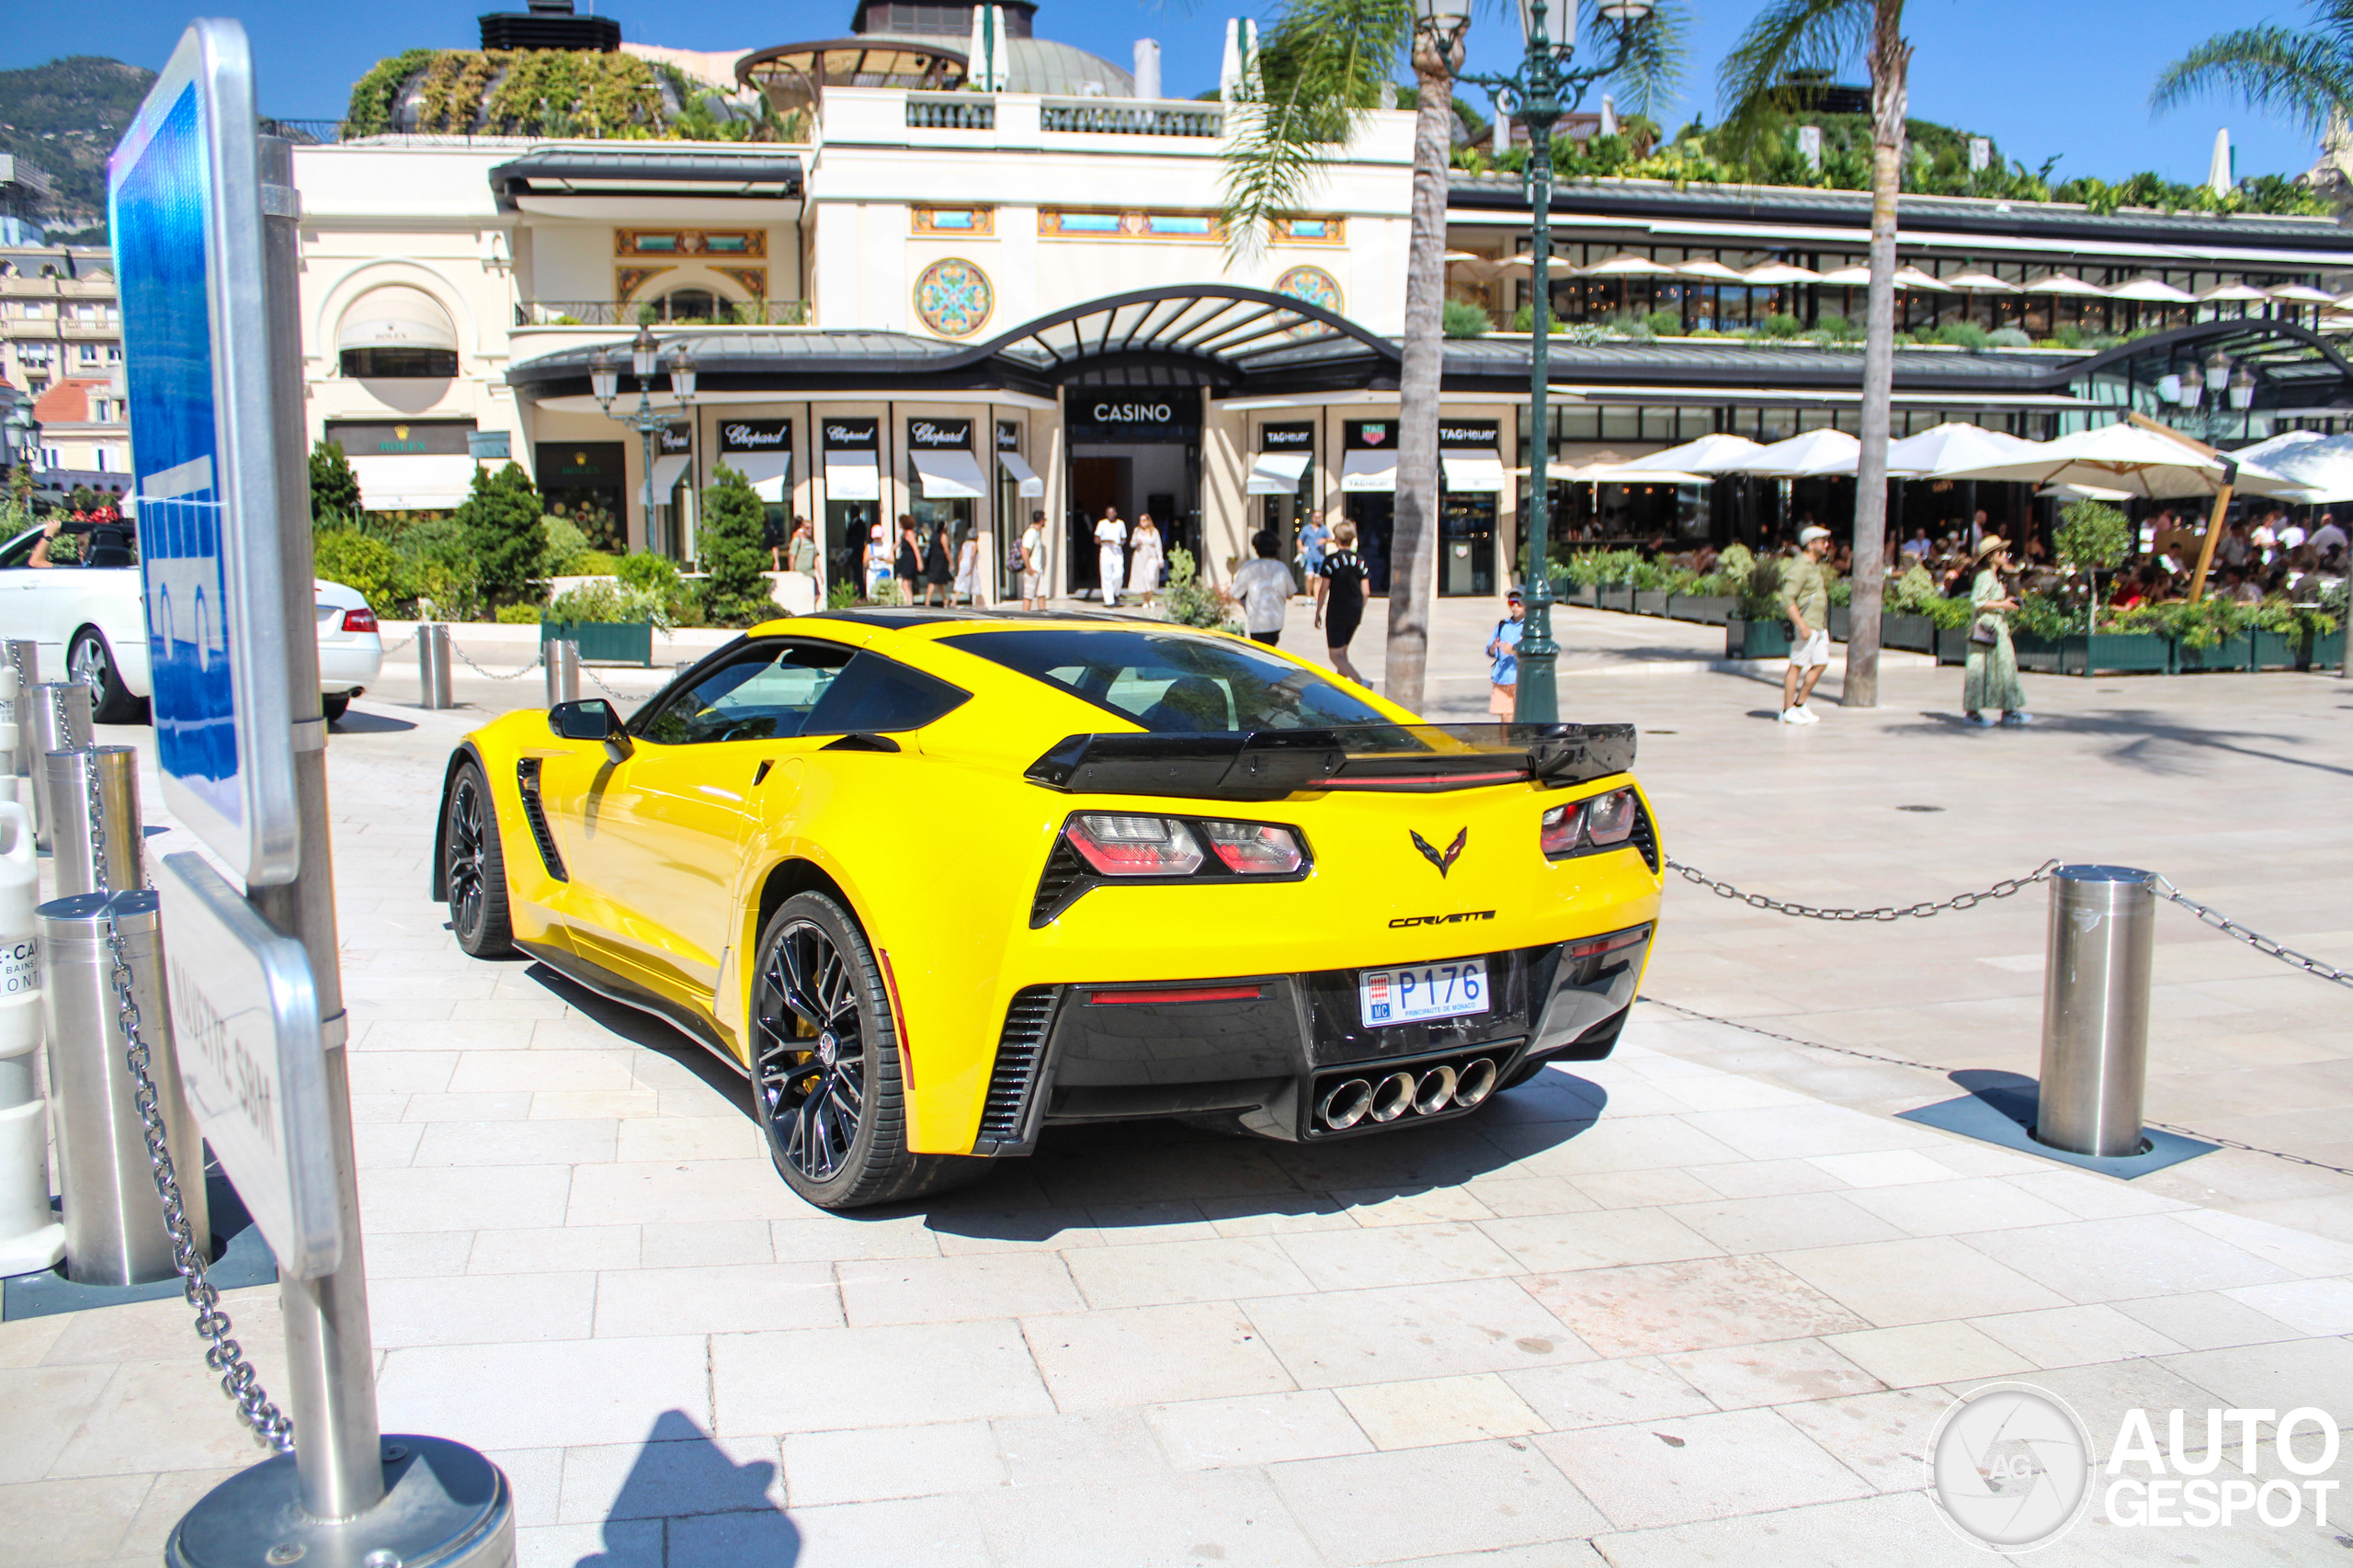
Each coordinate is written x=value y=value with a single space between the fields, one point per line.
x=944 y=480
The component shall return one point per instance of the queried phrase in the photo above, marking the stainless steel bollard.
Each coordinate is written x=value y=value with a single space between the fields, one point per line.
x=2095 y=1009
x=68 y=781
x=561 y=658
x=57 y=718
x=433 y=665
x=114 y=1222
x=23 y=659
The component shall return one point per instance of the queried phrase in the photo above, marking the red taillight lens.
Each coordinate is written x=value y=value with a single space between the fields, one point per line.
x=1563 y=825
x=360 y=619
x=1122 y=846
x=1256 y=848
x=1609 y=819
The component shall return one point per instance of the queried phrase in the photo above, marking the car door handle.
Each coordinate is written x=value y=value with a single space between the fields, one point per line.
x=762 y=771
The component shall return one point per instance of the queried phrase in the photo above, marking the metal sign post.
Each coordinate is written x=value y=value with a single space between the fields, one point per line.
x=203 y=217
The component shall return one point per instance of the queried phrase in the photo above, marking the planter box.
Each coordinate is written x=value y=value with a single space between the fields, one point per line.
x=1952 y=645
x=1756 y=639
x=1705 y=609
x=1614 y=596
x=2326 y=653
x=2272 y=651
x=1841 y=621
x=622 y=642
x=2117 y=653
x=1913 y=633
x=2230 y=653
x=1649 y=601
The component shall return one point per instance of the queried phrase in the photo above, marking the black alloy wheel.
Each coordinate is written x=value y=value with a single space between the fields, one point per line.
x=473 y=869
x=89 y=661
x=824 y=1065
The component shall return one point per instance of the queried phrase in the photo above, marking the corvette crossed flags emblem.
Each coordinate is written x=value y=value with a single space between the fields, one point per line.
x=1445 y=862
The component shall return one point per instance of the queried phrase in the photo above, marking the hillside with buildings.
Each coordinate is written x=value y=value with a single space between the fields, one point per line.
x=64 y=118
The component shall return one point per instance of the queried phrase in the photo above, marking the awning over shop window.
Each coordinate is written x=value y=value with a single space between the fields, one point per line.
x=412 y=482
x=760 y=468
x=1369 y=470
x=396 y=317
x=949 y=475
x=667 y=472
x=852 y=476
x=1473 y=471
x=1030 y=484
x=1277 y=473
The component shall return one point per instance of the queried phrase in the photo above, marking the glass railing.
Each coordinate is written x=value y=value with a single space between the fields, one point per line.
x=661 y=313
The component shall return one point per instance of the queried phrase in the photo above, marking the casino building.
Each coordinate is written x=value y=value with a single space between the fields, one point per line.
x=968 y=305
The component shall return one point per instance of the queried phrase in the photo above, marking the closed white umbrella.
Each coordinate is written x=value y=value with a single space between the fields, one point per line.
x=2151 y=291
x=1954 y=446
x=2064 y=283
x=2128 y=457
x=1813 y=455
x=1708 y=454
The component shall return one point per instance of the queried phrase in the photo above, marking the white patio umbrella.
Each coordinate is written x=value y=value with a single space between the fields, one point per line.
x=1778 y=274
x=1619 y=473
x=1472 y=265
x=1708 y=455
x=2064 y=283
x=2222 y=293
x=2268 y=452
x=1980 y=283
x=2152 y=291
x=1812 y=455
x=2301 y=294
x=2082 y=492
x=1707 y=270
x=1953 y=445
x=1625 y=264
x=2320 y=470
x=1909 y=277
x=2128 y=458
x=1854 y=277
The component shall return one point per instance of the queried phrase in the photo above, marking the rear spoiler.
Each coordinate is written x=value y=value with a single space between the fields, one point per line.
x=1267 y=765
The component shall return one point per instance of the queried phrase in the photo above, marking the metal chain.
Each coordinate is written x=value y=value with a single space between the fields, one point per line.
x=2005 y=888
x=239 y=1379
x=598 y=682
x=2260 y=943
x=401 y=645
x=494 y=674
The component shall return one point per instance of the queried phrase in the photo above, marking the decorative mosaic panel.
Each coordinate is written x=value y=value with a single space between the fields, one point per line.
x=1297 y=231
x=1314 y=285
x=753 y=280
x=691 y=241
x=954 y=219
x=953 y=298
x=1132 y=225
x=628 y=281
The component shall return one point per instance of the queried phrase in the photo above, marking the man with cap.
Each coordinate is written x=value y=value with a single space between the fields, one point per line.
x=1503 y=676
x=1805 y=599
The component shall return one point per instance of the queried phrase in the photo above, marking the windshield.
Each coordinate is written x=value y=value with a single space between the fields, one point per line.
x=1173 y=684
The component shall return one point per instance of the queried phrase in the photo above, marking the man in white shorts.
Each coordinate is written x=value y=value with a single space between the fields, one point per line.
x=1805 y=599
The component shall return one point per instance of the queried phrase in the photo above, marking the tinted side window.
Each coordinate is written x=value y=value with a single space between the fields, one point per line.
x=874 y=694
x=770 y=690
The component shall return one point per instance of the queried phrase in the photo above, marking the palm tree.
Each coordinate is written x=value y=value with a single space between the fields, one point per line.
x=2307 y=76
x=1323 y=66
x=1822 y=35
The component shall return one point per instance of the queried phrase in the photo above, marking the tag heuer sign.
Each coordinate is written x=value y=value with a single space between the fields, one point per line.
x=849 y=435
x=1365 y=434
x=1457 y=435
x=935 y=434
x=756 y=436
x=1287 y=438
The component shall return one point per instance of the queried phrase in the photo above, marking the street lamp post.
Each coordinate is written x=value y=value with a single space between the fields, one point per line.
x=604 y=382
x=1543 y=89
x=24 y=442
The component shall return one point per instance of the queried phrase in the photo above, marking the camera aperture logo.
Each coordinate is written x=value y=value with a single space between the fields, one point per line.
x=2011 y=1465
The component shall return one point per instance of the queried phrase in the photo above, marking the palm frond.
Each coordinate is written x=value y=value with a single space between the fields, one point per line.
x=1647 y=83
x=2301 y=75
x=1789 y=36
x=1323 y=66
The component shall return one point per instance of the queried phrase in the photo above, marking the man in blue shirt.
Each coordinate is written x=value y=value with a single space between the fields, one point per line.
x=1503 y=679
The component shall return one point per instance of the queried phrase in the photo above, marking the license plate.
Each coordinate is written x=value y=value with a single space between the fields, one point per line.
x=1421 y=992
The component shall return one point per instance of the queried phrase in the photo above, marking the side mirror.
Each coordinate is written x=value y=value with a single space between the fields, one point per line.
x=592 y=720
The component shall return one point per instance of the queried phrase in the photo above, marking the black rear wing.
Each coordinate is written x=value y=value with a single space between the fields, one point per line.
x=1267 y=765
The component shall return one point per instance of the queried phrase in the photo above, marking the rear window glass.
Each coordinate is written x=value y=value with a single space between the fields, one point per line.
x=1173 y=684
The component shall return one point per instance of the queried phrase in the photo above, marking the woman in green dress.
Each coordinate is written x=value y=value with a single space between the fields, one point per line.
x=1990 y=679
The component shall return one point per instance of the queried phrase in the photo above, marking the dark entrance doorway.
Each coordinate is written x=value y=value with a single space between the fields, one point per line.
x=1137 y=447
x=1368 y=480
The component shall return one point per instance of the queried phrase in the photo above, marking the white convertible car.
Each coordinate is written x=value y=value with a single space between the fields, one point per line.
x=91 y=625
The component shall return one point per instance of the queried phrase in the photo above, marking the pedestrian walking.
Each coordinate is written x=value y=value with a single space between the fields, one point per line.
x=1503 y=676
x=1112 y=553
x=908 y=564
x=1264 y=585
x=1805 y=599
x=968 y=570
x=1313 y=540
x=939 y=566
x=1343 y=578
x=1990 y=677
x=1033 y=563
x=801 y=550
x=874 y=563
x=1145 y=557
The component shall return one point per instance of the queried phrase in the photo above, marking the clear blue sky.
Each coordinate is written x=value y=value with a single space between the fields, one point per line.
x=2044 y=77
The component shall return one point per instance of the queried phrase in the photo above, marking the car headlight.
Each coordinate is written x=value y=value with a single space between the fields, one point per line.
x=1118 y=844
x=1605 y=821
x=1256 y=848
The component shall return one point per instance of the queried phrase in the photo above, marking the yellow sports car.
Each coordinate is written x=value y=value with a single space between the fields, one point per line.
x=937 y=879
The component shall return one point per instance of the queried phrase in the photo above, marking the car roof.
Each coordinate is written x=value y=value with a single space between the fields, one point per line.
x=907 y=618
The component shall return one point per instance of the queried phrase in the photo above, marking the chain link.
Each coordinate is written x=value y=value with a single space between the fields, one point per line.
x=239 y=1379
x=2260 y=943
x=2007 y=887
x=494 y=674
x=401 y=645
x=598 y=682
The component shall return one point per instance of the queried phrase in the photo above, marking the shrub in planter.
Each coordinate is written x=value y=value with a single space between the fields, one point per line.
x=368 y=565
x=607 y=604
x=1745 y=639
x=1462 y=319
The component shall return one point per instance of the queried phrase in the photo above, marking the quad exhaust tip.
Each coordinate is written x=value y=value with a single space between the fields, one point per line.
x=1437 y=1089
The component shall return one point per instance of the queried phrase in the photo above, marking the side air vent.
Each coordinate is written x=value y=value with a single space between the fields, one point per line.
x=1064 y=879
x=1645 y=836
x=1021 y=1052
x=527 y=781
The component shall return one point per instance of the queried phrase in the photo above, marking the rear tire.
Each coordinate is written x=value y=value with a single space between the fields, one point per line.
x=825 y=1072
x=89 y=659
x=474 y=866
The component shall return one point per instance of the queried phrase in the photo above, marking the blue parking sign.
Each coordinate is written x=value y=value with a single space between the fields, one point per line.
x=185 y=196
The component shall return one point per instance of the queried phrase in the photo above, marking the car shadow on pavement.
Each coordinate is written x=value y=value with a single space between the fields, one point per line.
x=2015 y=1095
x=2146 y=733
x=357 y=721
x=655 y=1034
x=683 y=1500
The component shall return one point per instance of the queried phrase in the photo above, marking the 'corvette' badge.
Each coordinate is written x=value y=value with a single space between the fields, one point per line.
x=1445 y=862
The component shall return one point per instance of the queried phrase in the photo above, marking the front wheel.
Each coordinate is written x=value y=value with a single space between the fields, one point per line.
x=89 y=661
x=473 y=868
x=825 y=1065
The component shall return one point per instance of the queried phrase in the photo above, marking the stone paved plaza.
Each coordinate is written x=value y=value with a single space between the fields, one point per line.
x=1700 y=1303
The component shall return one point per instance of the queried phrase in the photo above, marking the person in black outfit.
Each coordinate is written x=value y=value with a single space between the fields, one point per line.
x=939 y=566
x=908 y=564
x=1344 y=575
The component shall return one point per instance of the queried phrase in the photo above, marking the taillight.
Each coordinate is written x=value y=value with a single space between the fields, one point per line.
x=1255 y=849
x=360 y=619
x=1122 y=846
x=1605 y=821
